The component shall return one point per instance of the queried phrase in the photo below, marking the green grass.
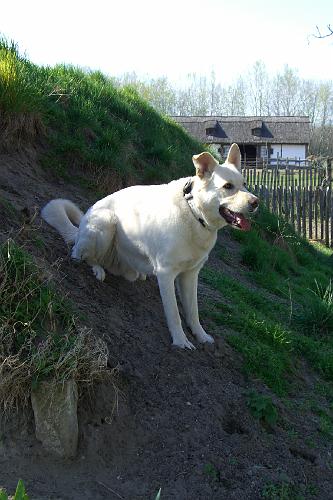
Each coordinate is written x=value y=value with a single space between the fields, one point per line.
x=89 y=123
x=39 y=334
x=316 y=317
x=287 y=314
x=20 y=493
x=288 y=491
x=212 y=472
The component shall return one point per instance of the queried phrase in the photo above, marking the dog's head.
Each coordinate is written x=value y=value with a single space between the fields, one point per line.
x=219 y=191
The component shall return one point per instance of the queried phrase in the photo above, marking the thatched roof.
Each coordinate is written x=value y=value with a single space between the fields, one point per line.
x=247 y=129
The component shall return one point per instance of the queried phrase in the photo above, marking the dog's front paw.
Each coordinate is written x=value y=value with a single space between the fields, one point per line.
x=183 y=343
x=99 y=272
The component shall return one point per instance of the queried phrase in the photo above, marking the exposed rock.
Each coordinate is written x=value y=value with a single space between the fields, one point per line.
x=55 y=410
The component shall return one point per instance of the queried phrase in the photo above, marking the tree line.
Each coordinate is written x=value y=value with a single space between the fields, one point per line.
x=255 y=93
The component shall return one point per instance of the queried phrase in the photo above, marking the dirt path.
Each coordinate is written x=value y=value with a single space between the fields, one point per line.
x=181 y=424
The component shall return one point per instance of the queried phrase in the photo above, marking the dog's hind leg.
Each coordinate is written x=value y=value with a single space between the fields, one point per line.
x=187 y=286
x=99 y=272
x=96 y=237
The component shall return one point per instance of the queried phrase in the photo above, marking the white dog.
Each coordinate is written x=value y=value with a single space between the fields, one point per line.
x=167 y=230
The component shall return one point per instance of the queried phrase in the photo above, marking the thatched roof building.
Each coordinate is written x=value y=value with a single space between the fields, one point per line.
x=257 y=136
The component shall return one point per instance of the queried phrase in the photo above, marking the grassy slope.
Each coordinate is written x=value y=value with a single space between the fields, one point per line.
x=288 y=312
x=76 y=119
x=89 y=123
x=275 y=306
x=86 y=121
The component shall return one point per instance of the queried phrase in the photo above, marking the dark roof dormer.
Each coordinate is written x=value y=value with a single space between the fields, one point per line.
x=257 y=128
x=257 y=131
x=214 y=129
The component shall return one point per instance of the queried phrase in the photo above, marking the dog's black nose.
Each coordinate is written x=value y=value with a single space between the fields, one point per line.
x=254 y=202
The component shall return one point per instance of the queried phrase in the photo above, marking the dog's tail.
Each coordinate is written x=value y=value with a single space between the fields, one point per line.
x=62 y=215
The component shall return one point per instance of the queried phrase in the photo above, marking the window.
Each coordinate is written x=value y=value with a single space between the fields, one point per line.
x=210 y=131
x=256 y=131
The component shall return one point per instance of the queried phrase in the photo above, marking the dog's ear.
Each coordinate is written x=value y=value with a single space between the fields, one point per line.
x=234 y=156
x=204 y=163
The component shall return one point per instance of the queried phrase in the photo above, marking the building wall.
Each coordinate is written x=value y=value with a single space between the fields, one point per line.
x=288 y=151
x=291 y=151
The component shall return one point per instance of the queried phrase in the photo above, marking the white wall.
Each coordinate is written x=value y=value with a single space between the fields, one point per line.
x=289 y=151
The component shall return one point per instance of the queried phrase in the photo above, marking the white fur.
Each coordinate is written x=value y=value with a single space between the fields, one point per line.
x=144 y=230
x=62 y=215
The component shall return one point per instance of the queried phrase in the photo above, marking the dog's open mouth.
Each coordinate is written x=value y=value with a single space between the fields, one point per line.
x=235 y=219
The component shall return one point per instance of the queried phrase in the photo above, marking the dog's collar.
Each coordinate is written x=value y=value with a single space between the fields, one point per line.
x=187 y=192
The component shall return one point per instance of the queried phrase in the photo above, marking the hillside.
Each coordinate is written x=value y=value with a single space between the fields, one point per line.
x=80 y=119
x=250 y=417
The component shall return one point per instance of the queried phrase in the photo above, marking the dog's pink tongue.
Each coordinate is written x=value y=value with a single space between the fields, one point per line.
x=244 y=224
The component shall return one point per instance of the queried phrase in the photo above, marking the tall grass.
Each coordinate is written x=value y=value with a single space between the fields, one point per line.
x=39 y=334
x=20 y=99
x=18 y=90
x=89 y=123
x=316 y=316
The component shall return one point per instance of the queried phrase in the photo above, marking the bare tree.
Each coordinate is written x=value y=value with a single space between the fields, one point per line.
x=325 y=35
x=258 y=83
x=257 y=93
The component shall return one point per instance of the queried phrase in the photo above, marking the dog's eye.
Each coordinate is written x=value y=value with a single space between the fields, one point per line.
x=228 y=185
x=244 y=184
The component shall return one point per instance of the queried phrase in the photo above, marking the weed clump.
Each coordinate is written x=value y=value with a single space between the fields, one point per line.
x=39 y=335
x=316 y=315
x=262 y=408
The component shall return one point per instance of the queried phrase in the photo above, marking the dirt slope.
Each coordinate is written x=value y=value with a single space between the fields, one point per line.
x=182 y=422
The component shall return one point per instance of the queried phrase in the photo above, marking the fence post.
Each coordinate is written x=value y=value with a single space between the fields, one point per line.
x=274 y=200
x=327 y=215
x=321 y=209
x=331 y=216
x=298 y=208
x=285 y=202
x=294 y=194
x=310 y=211
x=292 y=211
x=329 y=171
x=267 y=197
x=304 y=210
x=316 y=211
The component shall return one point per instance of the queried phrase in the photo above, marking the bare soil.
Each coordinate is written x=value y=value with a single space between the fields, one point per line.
x=181 y=421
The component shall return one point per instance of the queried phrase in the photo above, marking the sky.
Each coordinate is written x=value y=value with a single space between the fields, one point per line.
x=174 y=37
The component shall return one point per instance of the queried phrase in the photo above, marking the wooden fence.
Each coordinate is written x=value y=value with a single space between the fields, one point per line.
x=277 y=162
x=302 y=195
